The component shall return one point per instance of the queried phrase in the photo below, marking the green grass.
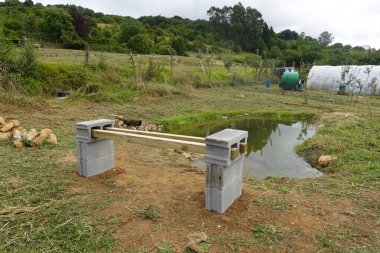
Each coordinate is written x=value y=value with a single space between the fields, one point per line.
x=166 y=247
x=277 y=205
x=35 y=212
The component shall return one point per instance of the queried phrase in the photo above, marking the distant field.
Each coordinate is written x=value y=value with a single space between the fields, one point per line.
x=118 y=59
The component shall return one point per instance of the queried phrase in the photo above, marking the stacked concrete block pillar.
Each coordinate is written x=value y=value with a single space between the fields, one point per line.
x=224 y=157
x=95 y=155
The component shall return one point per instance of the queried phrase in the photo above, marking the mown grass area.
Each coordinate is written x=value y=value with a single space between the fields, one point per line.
x=39 y=211
x=36 y=213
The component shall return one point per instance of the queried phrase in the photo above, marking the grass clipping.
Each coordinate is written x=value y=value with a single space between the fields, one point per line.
x=20 y=137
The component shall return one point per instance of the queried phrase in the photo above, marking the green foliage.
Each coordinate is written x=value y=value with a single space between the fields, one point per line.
x=229 y=29
x=128 y=30
x=141 y=44
x=325 y=38
x=179 y=45
x=57 y=26
x=166 y=247
x=153 y=71
x=267 y=234
x=166 y=50
x=19 y=67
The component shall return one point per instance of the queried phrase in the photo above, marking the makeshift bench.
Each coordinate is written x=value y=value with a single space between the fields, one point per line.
x=224 y=155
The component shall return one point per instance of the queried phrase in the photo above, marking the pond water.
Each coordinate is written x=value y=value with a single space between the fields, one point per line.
x=271 y=145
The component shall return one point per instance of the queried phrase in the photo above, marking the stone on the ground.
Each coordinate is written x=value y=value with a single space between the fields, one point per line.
x=324 y=160
x=194 y=239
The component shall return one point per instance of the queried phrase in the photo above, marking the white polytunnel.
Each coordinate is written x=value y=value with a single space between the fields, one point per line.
x=330 y=77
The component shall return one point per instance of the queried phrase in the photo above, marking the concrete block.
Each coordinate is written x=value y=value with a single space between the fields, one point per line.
x=89 y=168
x=92 y=150
x=217 y=176
x=95 y=155
x=224 y=176
x=218 y=145
x=220 y=200
x=84 y=128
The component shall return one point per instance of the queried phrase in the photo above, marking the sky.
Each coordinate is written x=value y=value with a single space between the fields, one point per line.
x=353 y=22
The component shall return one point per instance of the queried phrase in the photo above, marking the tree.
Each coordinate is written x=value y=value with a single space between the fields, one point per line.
x=325 y=38
x=288 y=35
x=57 y=25
x=28 y=3
x=141 y=43
x=179 y=45
x=128 y=30
x=81 y=24
x=274 y=52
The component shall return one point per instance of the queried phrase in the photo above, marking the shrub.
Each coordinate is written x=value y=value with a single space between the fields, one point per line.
x=141 y=43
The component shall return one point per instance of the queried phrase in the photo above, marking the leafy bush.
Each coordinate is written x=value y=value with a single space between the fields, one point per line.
x=141 y=43
x=18 y=66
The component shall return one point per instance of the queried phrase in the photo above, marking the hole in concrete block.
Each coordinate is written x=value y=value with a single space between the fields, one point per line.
x=234 y=151
x=243 y=147
x=110 y=125
x=95 y=128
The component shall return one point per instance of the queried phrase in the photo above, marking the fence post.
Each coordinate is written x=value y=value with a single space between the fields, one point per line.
x=95 y=155
x=224 y=173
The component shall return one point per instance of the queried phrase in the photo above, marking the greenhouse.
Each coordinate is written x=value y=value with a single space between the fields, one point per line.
x=364 y=78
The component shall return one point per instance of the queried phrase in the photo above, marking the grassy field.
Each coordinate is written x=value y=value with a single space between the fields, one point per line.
x=154 y=198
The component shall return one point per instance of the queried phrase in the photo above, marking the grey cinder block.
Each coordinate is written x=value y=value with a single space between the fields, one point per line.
x=84 y=128
x=89 y=168
x=220 y=200
x=218 y=145
x=223 y=175
x=95 y=155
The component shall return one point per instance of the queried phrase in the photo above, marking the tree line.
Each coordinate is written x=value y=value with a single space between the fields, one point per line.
x=229 y=29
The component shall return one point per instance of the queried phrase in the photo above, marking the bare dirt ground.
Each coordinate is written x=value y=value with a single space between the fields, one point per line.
x=156 y=177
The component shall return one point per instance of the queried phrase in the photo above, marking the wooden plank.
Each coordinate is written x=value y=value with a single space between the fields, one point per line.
x=243 y=148
x=157 y=134
x=234 y=153
x=153 y=141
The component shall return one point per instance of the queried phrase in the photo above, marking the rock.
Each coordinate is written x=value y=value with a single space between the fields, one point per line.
x=7 y=127
x=186 y=155
x=2 y=121
x=194 y=239
x=324 y=160
x=17 y=134
x=32 y=134
x=52 y=139
x=18 y=143
x=16 y=123
x=46 y=132
x=5 y=136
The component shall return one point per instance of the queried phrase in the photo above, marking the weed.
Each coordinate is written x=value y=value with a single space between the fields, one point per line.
x=166 y=247
x=152 y=213
x=267 y=234
x=277 y=205
x=159 y=227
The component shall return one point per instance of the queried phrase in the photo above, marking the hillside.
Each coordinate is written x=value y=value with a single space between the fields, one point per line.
x=229 y=29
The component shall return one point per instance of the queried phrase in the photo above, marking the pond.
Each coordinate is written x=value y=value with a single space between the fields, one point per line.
x=271 y=145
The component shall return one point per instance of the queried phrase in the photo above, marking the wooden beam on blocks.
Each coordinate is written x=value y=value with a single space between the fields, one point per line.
x=194 y=147
x=157 y=134
x=234 y=153
x=243 y=148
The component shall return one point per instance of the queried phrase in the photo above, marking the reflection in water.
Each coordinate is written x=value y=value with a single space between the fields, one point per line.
x=270 y=145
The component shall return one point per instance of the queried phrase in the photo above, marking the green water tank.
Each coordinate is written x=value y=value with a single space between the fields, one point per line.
x=289 y=81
